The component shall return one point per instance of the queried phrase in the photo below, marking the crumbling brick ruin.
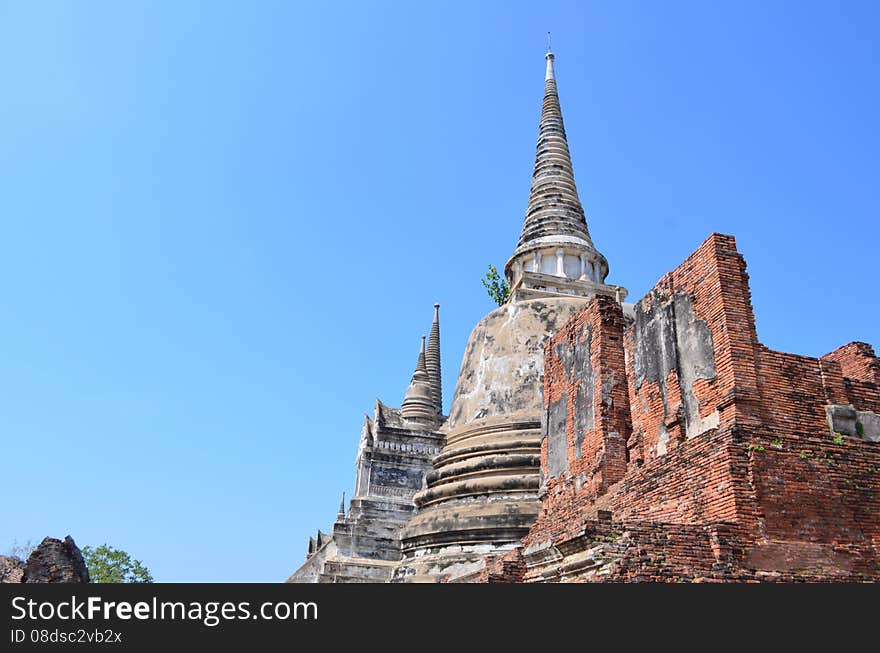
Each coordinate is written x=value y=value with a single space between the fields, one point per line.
x=52 y=561
x=677 y=447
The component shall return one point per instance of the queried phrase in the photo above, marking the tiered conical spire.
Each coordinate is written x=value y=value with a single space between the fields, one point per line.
x=341 y=514
x=555 y=241
x=432 y=362
x=554 y=206
x=418 y=404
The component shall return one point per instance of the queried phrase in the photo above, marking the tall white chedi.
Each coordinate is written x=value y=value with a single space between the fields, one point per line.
x=482 y=495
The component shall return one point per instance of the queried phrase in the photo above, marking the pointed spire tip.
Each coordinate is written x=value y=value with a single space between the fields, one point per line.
x=432 y=362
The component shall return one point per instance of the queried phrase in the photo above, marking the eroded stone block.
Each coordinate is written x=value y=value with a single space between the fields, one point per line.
x=557 y=442
x=842 y=419
x=870 y=426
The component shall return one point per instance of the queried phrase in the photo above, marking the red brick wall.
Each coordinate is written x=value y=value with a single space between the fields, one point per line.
x=792 y=392
x=695 y=485
x=860 y=369
x=857 y=361
x=715 y=279
x=704 y=480
x=798 y=501
x=507 y=568
x=642 y=552
x=669 y=553
x=864 y=396
x=602 y=459
x=811 y=488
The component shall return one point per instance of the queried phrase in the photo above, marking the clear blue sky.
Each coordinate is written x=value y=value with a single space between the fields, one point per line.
x=224 y=225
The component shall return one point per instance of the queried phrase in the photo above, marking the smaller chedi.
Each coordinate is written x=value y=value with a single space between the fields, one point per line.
x=394 y=455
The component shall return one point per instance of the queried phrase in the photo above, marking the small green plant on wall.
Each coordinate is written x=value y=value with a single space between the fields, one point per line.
x=496 y=286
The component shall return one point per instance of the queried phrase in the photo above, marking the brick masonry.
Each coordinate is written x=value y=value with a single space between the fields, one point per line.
x=676 y=447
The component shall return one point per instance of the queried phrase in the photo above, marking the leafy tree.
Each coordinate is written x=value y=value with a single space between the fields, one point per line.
x=496 y=285
x=109 y=565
